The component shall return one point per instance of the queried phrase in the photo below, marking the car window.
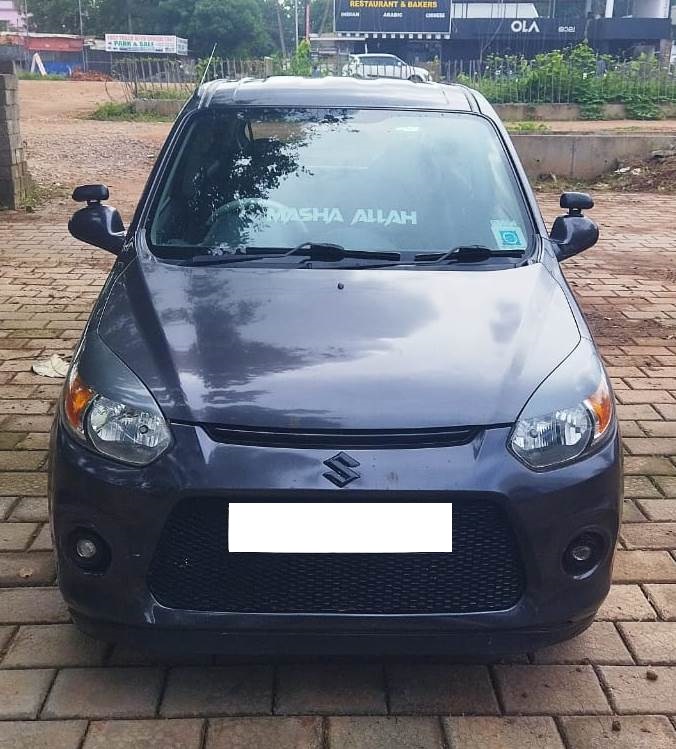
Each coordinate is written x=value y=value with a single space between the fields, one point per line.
x=376 y=60
x=364 y=179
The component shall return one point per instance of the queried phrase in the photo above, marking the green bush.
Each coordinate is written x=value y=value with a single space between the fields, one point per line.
x=26 y=76
x=577 y=75
x=300 y=62
x=173 y=94
x=123 y=111
x=527 y=126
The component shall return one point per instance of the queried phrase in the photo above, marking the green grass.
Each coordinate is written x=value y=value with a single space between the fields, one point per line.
x=37 y=195
x=25 y=76
x=526 y=127
x=174 y=94
x=125 y=112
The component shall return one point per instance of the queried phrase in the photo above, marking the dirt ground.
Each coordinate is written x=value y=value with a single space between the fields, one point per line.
x=65 y=149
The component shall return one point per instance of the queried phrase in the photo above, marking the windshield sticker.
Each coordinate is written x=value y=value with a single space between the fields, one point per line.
x=380 y=216
x=384 y=216
x=508 y=235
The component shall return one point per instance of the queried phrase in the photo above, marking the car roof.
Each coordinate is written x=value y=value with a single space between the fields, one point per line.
x=335 y=91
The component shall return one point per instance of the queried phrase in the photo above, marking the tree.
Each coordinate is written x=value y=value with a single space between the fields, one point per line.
x=279 y=19
x=236 y=26
x=239 y=27
x=58 y=16
x=321 y=16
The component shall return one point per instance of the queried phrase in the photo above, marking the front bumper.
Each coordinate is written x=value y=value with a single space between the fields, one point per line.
x=129 y=507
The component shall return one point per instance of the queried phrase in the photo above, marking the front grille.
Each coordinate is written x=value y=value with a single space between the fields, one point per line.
x=192 y=569
x=342 y=439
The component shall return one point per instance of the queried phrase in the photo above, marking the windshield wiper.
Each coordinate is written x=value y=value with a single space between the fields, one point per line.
x=328 y=252
x=321 y=251
x=472 y=253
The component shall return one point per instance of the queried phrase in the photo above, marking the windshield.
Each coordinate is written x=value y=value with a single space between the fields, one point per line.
x=365 y=179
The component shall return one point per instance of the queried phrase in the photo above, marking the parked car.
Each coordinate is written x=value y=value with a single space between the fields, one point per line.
x=336 y=394
x=384 y=66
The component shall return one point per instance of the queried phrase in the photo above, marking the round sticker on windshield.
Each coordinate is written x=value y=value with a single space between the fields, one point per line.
x=508 y=235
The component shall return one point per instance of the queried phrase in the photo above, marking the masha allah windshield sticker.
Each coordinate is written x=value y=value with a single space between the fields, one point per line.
x=385 y=216
x=509 y=235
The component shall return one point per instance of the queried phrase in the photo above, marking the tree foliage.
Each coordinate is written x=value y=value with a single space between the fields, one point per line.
x=239 y=27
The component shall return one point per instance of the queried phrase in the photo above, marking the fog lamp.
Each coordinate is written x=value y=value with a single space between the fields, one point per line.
x=88 y=550
x=583 y=554
x=85 y=548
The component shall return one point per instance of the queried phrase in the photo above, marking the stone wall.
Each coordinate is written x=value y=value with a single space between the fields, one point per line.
x=161 y=107
x=507 y=112
x=14 y=178
x=585 y=156
x=566 y=112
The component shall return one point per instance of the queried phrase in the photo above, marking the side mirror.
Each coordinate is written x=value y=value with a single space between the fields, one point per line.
x=576 y=201
x=97 y=224
x=90 y=193
x=574 y=233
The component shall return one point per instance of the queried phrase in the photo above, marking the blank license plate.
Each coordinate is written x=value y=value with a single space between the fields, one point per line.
x=340 y=527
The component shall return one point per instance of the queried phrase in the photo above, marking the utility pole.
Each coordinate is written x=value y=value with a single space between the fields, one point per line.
x=25 y=31
x=79 y=11
x=295 y=13
x=280 y=28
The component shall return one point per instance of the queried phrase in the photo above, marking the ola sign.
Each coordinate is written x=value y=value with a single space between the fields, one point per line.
x=525 y=27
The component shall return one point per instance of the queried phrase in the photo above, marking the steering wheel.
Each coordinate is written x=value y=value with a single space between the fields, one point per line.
x=238 y=205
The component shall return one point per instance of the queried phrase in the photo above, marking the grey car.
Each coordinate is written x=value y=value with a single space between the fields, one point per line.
x=336 y=394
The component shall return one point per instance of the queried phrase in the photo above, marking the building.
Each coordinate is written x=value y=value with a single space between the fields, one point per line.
x=11 y=18
x=419 y=30
x=60 y=53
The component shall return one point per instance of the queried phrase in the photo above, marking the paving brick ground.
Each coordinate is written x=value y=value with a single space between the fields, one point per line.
x=614 y=686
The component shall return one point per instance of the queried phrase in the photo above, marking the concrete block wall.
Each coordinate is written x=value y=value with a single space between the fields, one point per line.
x=585 y=156
x=14 y=177
x=566 y=112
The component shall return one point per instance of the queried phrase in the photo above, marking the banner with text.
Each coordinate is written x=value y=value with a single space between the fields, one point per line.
x=393 y=16
x=147 y=43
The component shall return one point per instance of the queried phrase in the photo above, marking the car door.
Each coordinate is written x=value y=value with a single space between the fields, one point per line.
x=397 y=68
x=390 y=67
x=371 y=66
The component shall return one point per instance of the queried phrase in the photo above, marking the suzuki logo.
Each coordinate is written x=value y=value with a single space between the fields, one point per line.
x=525 y=27
x=341 y=473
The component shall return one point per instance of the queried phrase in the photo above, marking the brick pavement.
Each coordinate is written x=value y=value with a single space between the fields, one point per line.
x=614 y=686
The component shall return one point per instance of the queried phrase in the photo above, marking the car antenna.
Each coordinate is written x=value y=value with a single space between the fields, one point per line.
x=208 y=65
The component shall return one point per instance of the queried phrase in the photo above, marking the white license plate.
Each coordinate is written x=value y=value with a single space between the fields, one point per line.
x=345 y=527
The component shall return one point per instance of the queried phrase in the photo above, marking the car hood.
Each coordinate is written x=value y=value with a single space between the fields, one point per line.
x=355 y=349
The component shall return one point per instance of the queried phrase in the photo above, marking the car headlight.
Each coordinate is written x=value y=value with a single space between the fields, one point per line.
x=544 y=439
x=129 y=433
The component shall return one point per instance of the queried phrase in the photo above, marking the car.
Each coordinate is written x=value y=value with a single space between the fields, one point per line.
x=336 y=395
x=384 y=66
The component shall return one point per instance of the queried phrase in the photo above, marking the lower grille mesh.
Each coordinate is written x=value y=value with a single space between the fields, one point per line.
x=192 y=569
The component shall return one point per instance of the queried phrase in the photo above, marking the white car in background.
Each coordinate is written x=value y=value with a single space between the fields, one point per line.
x=384 y=66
